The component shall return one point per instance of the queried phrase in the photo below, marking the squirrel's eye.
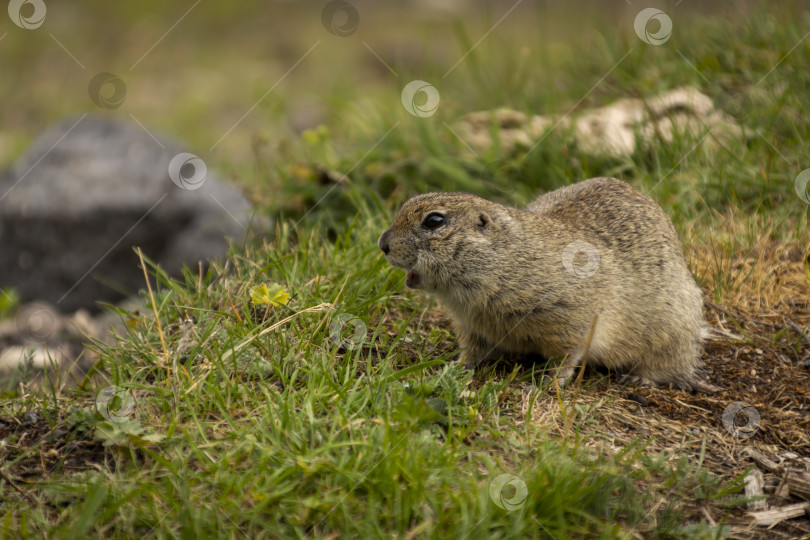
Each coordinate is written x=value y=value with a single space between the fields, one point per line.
x=433 y=221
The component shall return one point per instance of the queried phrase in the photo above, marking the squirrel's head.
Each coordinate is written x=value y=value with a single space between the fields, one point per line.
x=443 y=239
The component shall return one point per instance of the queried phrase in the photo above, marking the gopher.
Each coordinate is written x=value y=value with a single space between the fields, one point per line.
x=534 y=280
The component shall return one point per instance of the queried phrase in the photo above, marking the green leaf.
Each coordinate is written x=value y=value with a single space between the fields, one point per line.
x=126 y=433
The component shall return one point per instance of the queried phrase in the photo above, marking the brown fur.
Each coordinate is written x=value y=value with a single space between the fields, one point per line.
x=531 y=280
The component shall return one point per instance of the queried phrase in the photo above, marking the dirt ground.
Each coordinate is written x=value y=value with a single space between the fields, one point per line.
x=752 y=381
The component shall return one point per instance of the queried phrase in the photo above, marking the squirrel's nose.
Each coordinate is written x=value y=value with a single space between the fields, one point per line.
x=383 y=243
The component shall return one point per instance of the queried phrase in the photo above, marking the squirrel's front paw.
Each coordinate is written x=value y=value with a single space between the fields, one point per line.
x=468 y=361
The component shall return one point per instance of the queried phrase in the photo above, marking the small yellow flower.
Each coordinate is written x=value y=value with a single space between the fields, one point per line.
x=273 y=295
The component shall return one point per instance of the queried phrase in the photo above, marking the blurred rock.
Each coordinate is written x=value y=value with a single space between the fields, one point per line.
x=37 y=323
x=32 y=357
x=89 y=190
x=513 y=129
x=615 y=130
x=39 y=366
x=40 y=345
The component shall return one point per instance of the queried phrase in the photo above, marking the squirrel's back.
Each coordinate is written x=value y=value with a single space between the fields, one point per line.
x=620 y=218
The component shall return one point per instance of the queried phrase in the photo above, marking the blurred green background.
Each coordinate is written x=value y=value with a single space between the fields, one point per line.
x=194 y=69
x=271 y=95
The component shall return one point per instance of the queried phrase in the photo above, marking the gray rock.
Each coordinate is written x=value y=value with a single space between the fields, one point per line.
x=90 y=189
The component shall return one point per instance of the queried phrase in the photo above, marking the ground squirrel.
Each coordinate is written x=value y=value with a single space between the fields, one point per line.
x=530 y=280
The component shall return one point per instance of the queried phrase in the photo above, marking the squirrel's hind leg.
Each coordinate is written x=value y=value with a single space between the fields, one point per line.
x=568 y=368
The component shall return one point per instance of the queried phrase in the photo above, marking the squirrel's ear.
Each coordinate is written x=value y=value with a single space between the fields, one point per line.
x=484 y=222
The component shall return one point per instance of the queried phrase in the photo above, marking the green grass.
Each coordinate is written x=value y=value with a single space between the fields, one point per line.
x=285 y=432
x=288 y=436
